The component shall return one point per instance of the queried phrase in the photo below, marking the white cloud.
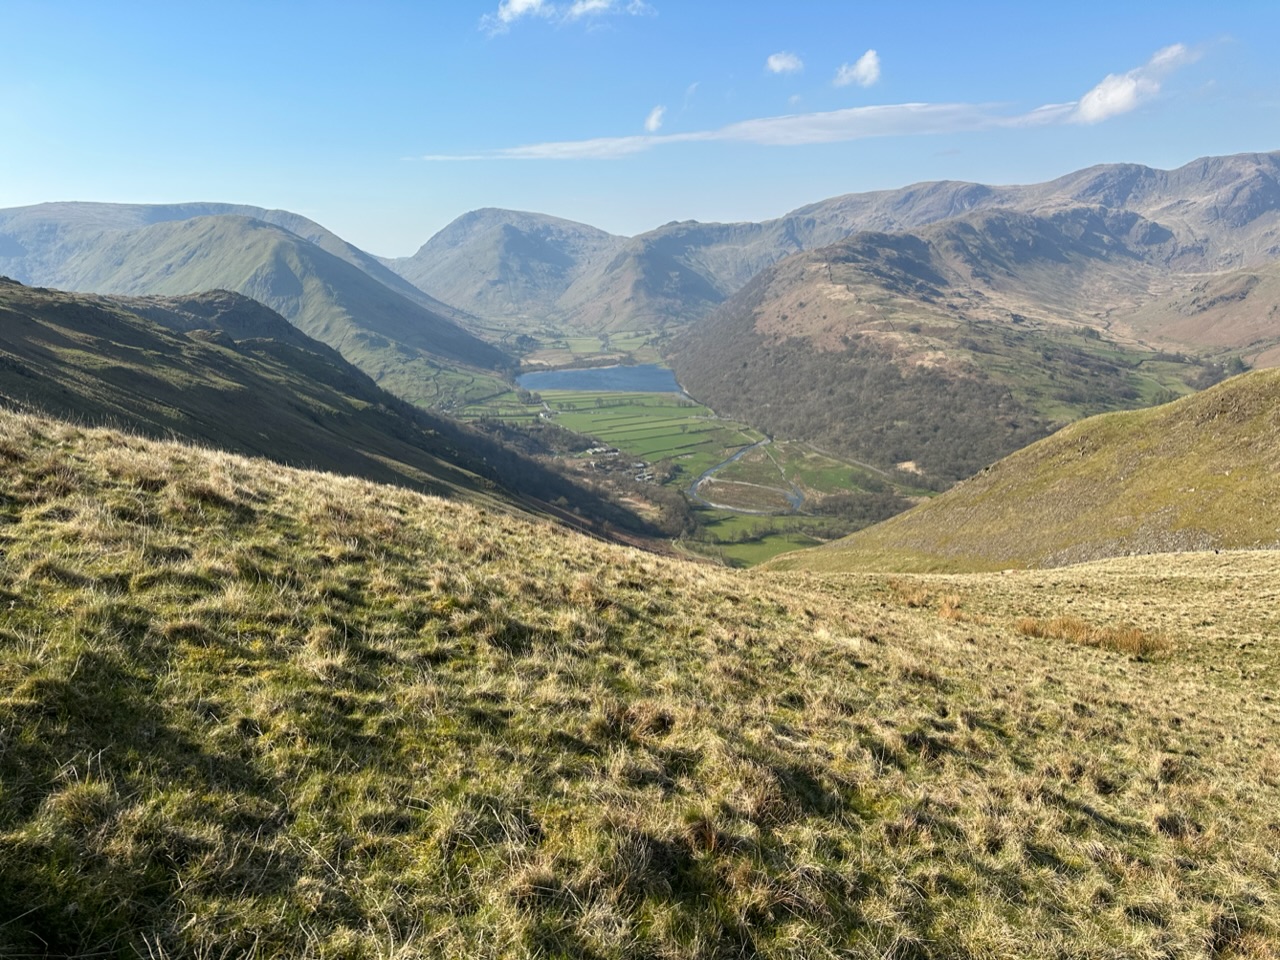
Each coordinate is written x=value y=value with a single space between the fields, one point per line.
x=1120 y=93
x=509 y=11
x=586 y=8
x=783 y=62
x=864 y=71
x=1114 y=95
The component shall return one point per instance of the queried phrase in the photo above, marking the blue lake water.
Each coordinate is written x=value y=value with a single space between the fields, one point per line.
x=643 y=378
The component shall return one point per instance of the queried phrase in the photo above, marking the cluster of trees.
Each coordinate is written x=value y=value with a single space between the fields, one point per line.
x=858 y=402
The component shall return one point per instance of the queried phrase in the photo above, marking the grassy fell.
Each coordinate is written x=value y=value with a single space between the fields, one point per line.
x=252 y=711
x=1195 y=474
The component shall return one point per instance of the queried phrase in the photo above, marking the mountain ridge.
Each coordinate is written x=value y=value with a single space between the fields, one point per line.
x=1224 y=213
x=945 y=347
x=394 y=338
x=223 y=370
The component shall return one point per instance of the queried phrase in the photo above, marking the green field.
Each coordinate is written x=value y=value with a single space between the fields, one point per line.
x=637 y=346
x=657 y=427
x=653 y=426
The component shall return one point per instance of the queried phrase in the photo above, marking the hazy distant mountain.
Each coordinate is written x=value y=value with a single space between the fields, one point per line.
x=1221 y=212
x=944 y=348
x=337 y=297
x=75 y=223
x=505 y=263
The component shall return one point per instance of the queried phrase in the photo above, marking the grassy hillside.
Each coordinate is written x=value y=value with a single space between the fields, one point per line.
x=506 y=265
x=223 y=370
x=420 y=355
x=1196 y=474
x=36 y=240
x=250 y=711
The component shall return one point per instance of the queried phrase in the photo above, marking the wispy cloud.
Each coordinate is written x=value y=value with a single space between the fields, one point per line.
x=653 y=122
x=864 y=71
x=1109 y=98
x=510 y=11
x=783 y=62
x=1120 y=93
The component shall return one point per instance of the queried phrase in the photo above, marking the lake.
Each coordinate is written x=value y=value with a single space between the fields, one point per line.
x=642 y=378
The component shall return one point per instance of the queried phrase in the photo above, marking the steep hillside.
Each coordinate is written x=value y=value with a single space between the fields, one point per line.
x=1237 y=311
x=1217 y=213
x=944 y=348
x=332 y=297
x=36 y=240
x=223 y=370
x=251 y=710
x=505 y=264
x=1196 y=474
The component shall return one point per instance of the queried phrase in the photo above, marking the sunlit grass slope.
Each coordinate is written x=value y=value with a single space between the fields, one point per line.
x=1196 y=474
x=251 y=711
x=222 y=370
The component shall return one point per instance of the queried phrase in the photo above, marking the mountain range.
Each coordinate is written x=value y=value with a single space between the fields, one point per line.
x=937 y=327
x=253 y=710
x=1221 y=213
x=327 y=288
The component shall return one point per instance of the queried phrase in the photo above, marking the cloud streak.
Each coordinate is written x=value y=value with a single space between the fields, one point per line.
x=1114 y=95
x=511 y=11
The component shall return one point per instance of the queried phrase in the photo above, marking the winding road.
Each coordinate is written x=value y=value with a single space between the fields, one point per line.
x=794 y=496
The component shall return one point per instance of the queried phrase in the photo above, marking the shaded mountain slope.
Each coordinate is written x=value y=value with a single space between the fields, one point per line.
x=1196 y=474
x=944 y=348
x=253 y=710
x=223 y=370
x=393 y=338
x=35 y=240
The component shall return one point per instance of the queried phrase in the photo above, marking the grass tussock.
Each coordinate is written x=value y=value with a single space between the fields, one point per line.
x=251 y=711
x=1130 y=640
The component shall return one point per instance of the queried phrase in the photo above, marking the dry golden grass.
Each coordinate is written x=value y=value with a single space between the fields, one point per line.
x=1123 y=639
x=260 y=712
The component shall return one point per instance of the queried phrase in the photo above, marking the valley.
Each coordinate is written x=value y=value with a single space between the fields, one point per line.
x=384 y=608
x=643 y=446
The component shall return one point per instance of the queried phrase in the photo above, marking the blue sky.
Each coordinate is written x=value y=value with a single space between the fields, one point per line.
x=384 y=121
